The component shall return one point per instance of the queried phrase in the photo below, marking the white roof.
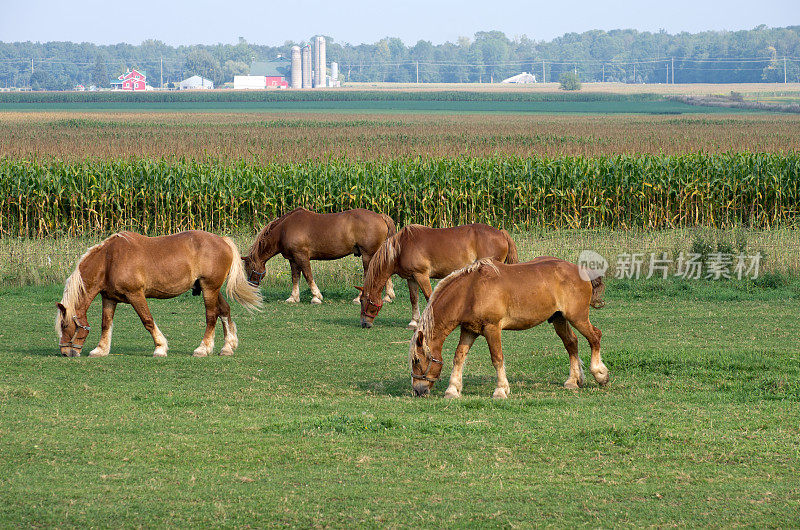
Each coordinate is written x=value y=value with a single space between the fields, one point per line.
x=524 y=77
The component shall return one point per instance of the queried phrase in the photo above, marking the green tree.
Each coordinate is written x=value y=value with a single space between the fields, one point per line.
x=99 y=73
x=202 y=63
x=570 y=81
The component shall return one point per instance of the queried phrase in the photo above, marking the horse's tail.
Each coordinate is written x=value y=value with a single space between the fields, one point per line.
x=390 y=225
x=512 y=256
x=238 y=287
x=598 y=289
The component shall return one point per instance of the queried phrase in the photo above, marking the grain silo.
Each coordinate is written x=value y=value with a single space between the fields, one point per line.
x=323 y=70
x=315 y=66
x=334 y=73
x=307 y=67
x=297 y=68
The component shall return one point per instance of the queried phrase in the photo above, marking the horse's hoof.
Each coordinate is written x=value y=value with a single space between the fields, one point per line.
x=357 y=300
x=452 y=393
x=412 y=325
x=291 y=300
x=97 y=352
x=316 y=300
x=500 y=393
x=160 y=353
x=226 y=351
x=388 y=299
x=571 y=384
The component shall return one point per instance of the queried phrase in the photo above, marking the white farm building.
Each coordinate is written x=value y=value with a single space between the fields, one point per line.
x=195 y=82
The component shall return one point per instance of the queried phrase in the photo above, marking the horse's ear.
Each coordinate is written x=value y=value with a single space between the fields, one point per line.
x=61 y=308
x=359 y=288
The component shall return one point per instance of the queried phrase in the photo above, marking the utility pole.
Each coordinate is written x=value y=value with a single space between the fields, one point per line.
x=784 y=69
x=604 y=72
x=673 y=70
x=784 y=65
x=162 y=72
x=417 y=72
x=544 y=73
x=634 y=73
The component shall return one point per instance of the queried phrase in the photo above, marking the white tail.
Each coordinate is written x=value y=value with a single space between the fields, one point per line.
x=238 y=287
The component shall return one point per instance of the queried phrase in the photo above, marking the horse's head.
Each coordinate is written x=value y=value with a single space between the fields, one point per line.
x=253 y=271
x=425 y=369
x=369 y=308
x=71 y=333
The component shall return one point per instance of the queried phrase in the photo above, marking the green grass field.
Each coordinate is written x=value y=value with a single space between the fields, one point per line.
x=311 y=423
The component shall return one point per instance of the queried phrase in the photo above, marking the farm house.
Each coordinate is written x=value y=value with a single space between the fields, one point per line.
x=131 y=80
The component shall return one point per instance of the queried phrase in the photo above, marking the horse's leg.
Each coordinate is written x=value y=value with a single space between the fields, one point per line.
x=592 y=334
x=413 y=294
x=464 y=344
x=365 y=259
x=228 y=326
x=140 y=306
x=211 y=300
x=295 y=296
x=424 y=282
x=492 y=334
x=305 y=267
x=570 y=341
x=104 y=346
x=389 y=291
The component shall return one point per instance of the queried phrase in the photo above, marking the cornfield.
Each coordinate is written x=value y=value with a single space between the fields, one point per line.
x=51 y=197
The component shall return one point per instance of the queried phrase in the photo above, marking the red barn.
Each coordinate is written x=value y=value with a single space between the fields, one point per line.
x=131 y=80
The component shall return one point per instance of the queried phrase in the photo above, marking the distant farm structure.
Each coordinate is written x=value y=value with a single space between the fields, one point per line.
x=130 y=80
x=307 y=68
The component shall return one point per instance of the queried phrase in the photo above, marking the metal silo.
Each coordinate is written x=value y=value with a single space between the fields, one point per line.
x=316 y=62
x=323 y=70
x=297 y=68
x=307 y=67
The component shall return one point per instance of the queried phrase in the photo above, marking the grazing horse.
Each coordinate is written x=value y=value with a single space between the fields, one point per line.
x=302 y=235
x=129 y=268
x=418 y=253
x=487 y=297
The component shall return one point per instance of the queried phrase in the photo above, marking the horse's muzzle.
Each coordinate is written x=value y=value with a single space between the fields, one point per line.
x=365 y=324
x=421 y=390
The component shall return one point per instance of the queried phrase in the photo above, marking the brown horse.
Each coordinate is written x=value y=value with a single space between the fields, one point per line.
x=418 y=253
x=487 y=297
x=129 y=267
x=302 y=235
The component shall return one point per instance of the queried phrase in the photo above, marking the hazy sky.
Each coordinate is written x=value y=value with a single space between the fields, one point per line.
x=366 y=21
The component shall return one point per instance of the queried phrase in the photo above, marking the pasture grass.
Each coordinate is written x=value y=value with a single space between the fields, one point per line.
x=311 y=423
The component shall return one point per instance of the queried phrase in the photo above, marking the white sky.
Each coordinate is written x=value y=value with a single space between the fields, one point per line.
x=364 y=21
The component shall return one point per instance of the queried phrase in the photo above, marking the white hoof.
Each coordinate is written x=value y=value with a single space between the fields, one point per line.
x=226 y=350
x=500 y=393
x=316 y=300
x=201 y=351
x=412 y=325
x=357 y=300
x=388 y=299
x=292 y=300
x=160 y=352
x=452 y=393
x=98 y=352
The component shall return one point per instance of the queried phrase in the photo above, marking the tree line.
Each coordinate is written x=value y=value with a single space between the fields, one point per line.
x=761 y=54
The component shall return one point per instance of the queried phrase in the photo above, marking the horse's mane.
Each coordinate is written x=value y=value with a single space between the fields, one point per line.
x=261 y=238
x=74 y=288
x=426 y=320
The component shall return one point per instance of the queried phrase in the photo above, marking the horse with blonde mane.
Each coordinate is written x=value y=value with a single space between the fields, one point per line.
x=487 y=297
x=418 y=253
x=129 y=268
x=302 y=235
